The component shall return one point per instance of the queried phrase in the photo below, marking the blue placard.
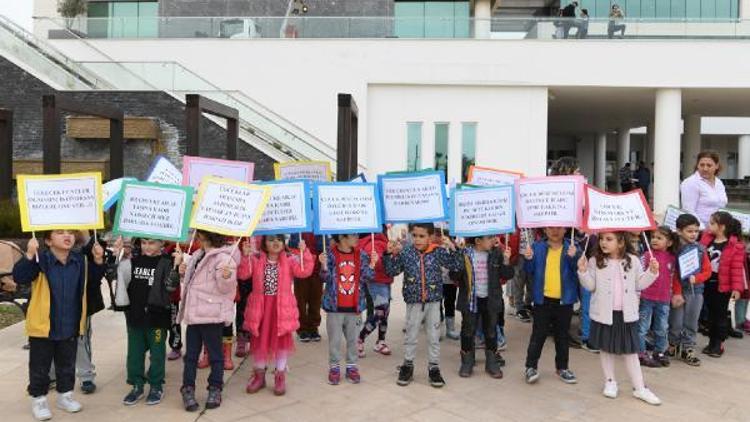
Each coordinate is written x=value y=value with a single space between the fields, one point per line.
x=341 y=198
x=298 y=225
x=423 y=201
x=360 y=178
x=482 y=211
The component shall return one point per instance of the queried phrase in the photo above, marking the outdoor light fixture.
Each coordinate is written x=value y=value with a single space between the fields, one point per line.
x=299 y=7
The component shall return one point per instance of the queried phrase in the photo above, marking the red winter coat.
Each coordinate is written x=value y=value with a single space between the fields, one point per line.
x=381 y=245
x=732 y=271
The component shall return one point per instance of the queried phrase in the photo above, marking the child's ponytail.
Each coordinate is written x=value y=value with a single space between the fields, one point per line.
x=732 y=226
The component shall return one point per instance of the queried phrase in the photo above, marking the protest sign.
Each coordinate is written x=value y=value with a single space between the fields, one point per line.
x=163 y=171
x=194 y=169
x=743 y=217
x=316 y=171
x=413 y=197
x=60 y=201
x=111 y=191
x=346 y=207
x=671 y=214
x=616 y=211
x=485 y=176
x=552 y=201
x=482 y=211
x=359 y=179
x=288 y=209
x=153 y=211
x=229 y=207
x=689 y=262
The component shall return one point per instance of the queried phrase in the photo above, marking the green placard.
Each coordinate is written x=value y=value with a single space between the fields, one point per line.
x=154 y=211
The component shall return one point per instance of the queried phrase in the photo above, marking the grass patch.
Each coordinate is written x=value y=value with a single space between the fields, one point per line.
x=9 y=315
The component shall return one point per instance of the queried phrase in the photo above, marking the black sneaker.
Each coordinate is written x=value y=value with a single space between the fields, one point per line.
x=436 y=379
x=713 y=351
x=663 y=359
x=88 y=387
x=314 y=337
x=188 y=399
x=523 y=315
x=531 y=375
x=499 y=358
x=154 y=396
x=134 y=396
x=304 y=337
x=735 y=333
x=405 y=374
x=214 y=397
x=567 y=376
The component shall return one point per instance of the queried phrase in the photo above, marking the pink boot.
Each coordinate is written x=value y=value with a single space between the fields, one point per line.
x=279 y=386
x=242 y=343
x=256 y=382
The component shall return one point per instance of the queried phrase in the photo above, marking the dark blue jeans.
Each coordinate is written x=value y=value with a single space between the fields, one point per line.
x=195 y=337
x=42 y=352
x=654 y=314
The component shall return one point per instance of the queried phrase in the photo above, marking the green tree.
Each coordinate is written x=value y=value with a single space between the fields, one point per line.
x=70 y=9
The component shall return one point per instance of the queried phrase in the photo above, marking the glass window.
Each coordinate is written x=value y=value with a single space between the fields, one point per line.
x=97 y=23
x=413 y=146
x=441 y=148
x=148 y=19
x=409 y=19
x=468 y=148
x=433 y=19
x=123 y=19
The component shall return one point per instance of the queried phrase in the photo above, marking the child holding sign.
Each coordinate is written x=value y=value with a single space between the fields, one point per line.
x=723 y=242
x=551 y=264
x=144 y=285
x=687 y=297
x=480 y=297
x=60 y=279
x=421 y=263
x=271 y=314
x=209 y=285
x=614 y=277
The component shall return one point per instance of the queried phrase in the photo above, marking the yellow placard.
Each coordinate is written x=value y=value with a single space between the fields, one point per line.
x=60 y=201
x=316 y=171
x=227 y=221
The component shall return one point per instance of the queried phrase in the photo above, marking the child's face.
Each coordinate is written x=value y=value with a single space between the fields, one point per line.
x=61 y=239
x=274 y=244
x=348 y=241
x=715 y=228
x=689 y=233
x=660 y=242
x=436 y=237
x=421 y=238
x=151 y=247
x=611 y=245
x=554 y=234
x=484 y=243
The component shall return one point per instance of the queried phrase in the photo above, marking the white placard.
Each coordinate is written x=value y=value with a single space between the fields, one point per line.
x=66 y=201
x=315 y=171
x=229 y=207
x=288 y=209
x=164 y=172
x=743 y=217
x=670 y=217
x=413 y=198
x=195 y=169
x=689 y=262
x=481 y=176
x=111 y=191
x=482 y=211
x=553 y=201
x=627 y=211
x=351 y=207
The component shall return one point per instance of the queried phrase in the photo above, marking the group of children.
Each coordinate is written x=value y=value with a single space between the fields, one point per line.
x=637 y=304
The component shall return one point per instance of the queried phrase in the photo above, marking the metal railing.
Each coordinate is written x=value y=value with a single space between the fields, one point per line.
x=541 y=28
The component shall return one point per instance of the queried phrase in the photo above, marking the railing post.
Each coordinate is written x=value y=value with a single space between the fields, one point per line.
x=116 y=149
x=50 y=136
x=346 y=152
x=6 y=154
x=193 y=124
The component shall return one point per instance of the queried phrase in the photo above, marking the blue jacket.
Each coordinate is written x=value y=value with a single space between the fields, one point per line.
x=569 y=268
x=66 y=283
x=423 y=278
x=331 y=280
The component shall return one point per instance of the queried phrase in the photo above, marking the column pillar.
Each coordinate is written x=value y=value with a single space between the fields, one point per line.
x=623 y=147
x=744 y=9
x=482 y=17
x=743 y=156
x=692 y=143
x=600 y=161
x=667 y=117
x=650 y=140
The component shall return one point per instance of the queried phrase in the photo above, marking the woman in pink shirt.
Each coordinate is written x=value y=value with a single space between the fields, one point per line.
x=703 y=193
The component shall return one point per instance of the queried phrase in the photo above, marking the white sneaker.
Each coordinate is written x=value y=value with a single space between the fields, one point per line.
x=646 y=395
x=65 y=402
x=610 y=389
x=40 y=408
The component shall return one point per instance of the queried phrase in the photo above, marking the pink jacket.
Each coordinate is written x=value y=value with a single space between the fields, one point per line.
x=599 y=281
x=289 y=269
x=208 y=297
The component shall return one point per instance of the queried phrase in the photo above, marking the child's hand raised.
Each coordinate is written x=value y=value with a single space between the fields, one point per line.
x=32 y=248
x=226 y=271
x=528 y=253
x=178 y=256
x=374 y=259
x=653 y=266
x=98 y=253
x=247 y=247
x=572 y=250
x=448 y=244
x=582 y=264
x=394 y=247
x=677 y=301
x=323 y=258
x=301 y=246
x=692 y=279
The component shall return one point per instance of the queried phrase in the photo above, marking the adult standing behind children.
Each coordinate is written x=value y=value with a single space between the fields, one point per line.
x=703 y=193
x=57 y=312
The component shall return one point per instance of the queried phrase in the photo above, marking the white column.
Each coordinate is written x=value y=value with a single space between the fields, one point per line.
x=482 y=16
x=667 y=125
x=744 y=9
x=600 y=162
x=650 y=140
x=743 y=156
x=623 y=147
x=454 y=152
x=692 y=143
x=585 y=156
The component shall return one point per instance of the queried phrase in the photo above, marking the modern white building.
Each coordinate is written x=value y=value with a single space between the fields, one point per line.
x=466 y=94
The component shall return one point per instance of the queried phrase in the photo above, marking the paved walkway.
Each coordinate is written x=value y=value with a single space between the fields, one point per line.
x=718 y=390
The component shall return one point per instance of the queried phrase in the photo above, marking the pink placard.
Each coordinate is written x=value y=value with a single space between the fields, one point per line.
x=552 y=201
x=194 y=169
x=606 y=211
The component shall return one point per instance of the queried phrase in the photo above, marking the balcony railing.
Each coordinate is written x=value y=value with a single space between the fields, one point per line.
x=545 y=28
